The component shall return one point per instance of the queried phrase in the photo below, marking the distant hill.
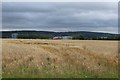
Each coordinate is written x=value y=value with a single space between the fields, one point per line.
x=85 y=34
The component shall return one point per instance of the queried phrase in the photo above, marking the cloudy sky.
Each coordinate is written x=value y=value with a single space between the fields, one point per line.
x=60 y=16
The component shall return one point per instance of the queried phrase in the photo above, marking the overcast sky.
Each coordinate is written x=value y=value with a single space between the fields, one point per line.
x=60 y=16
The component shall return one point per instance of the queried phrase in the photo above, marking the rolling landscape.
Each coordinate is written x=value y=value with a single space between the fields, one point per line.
x=36 y=58
x=59 y=40
x=80 y=35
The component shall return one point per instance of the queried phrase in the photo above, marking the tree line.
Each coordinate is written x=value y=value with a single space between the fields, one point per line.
x=74 y=37
x=34 y=36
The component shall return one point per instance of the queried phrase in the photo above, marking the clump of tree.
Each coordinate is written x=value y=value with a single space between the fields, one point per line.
x=78 y=37
x=34 y=36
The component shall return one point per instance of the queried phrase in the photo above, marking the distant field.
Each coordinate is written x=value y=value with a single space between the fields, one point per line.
x=37 y=58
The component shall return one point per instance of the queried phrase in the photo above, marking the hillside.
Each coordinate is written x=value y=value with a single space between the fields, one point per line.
x=85 y=34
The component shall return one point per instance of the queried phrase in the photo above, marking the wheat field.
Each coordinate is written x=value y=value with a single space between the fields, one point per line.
x=37 y=58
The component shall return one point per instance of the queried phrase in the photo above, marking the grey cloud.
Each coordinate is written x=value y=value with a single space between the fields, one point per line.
x=60 y=16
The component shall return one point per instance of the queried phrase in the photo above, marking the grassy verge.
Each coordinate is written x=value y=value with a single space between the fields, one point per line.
x=52 y=72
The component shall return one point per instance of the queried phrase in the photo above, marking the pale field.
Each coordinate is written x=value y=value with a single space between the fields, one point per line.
x=59 y=58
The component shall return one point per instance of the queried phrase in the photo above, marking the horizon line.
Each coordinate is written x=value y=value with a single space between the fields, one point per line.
x=61 y=31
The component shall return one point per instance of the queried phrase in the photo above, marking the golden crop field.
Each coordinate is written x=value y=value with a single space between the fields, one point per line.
x=37 y=58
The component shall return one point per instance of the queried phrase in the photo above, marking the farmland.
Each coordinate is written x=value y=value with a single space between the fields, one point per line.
x=37 y=58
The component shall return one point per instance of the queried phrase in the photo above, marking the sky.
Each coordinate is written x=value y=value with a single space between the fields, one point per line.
x=60 y=0
x=60 y=16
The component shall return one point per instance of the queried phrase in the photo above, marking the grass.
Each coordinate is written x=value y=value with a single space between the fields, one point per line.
x=59 y=59
x=49 y=72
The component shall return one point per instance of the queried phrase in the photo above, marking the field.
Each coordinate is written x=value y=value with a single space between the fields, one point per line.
x=37 y=58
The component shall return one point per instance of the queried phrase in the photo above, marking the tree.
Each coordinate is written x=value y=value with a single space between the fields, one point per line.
x=78 y=37
x=35 y=36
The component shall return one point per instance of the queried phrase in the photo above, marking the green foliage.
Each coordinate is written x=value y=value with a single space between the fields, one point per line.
x=35 y=36
x=78 y=37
